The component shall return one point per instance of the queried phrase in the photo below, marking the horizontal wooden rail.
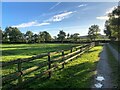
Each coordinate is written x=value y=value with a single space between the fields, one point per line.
x=15 y=75
x=62 y=59
x=4 y=64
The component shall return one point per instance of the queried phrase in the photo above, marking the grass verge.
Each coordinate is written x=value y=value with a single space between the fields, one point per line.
x=115 y=65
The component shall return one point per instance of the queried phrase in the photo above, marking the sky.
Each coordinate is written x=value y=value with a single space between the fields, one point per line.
x=71 y=17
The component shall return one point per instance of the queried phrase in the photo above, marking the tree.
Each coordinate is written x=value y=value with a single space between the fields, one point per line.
x=112 y=25
x=36 y=37
x=68 y=36
x=29 y=36
x=45 y=36
x=76 y=36
x=12 y=34
x=1 y=35
x=93 y=32
x=61 y=35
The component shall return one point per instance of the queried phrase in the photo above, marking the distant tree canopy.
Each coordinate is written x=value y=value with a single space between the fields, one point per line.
x=93 y=32
x=112 y=25
x=61 y=35
x=45 y=36
x=13 y=34
x=75 y=36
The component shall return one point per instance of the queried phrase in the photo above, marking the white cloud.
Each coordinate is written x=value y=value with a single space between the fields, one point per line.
x=59 y=17
x=102 y=17
x=82 y=5
x=55 y=5
x=25 y=24
x=29 y=24
x=55 y=18
x=42 y=24
x=110 y=10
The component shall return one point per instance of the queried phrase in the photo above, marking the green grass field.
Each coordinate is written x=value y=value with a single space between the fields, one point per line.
x=77 y=73
x=14 y=51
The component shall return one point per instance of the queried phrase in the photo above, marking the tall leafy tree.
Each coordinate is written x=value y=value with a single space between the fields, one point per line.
x=1 y=33
x=61 y=35
x=45 y=36
x=29 y=36
x=76 y=36
x=112 y=25
x=93 y=32
x=13 y=34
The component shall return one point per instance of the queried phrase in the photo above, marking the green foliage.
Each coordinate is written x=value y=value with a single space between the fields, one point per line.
x=45 y=36
x=1 y=34
x=29 y=36
x=12 y=34
x=112 y=26
x=61 y=35
x=93 y=32
x=75 y=36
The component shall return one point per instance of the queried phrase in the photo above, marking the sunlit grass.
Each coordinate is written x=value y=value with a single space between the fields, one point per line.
x=76 y=74
x=14 y=51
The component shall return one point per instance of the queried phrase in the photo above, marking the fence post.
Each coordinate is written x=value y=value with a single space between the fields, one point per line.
x=87 y=48
x=71 y=50
x=81 y=49
x=63 y=58
x=76 y=49
x=49 y=64
x=20 y=70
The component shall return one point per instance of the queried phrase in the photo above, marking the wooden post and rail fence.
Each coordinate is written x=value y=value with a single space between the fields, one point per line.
x=62 y=60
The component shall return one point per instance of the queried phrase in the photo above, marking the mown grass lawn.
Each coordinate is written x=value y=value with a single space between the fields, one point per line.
x=76 y=74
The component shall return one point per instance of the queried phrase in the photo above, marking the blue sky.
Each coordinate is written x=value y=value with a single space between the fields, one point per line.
x=72 y=17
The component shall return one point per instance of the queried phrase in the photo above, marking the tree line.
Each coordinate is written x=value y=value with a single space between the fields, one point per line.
x=13 y=34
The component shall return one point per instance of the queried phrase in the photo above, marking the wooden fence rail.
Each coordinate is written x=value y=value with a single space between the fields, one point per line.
x=63 y=59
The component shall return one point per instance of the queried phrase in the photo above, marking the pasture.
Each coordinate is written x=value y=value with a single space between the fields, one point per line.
x=14 y=51
x=78 y=72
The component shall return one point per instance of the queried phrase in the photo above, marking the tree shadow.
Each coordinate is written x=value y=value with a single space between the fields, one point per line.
x=77 y=76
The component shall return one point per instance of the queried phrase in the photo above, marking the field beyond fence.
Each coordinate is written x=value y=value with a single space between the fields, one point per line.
x=52 y=62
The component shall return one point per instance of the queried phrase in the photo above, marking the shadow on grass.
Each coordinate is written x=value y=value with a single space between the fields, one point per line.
x=34 y=51
x=77 y=76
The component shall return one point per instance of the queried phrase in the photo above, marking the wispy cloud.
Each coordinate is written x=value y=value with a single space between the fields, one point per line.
x=30 y=24
x=55 y=18
x=102 y=18
x=55 y=5
x=59 y=17
x=42 y=24
x=82 y=5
